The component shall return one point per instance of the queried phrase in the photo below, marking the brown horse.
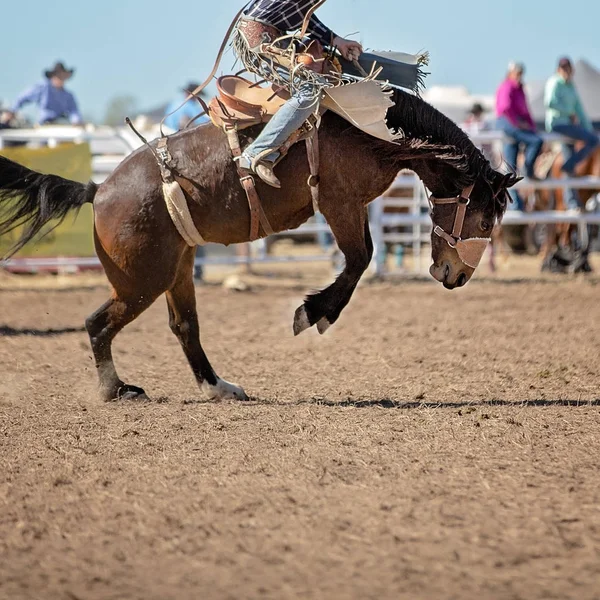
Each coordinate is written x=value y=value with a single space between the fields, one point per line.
x=144 y=256
x=560 y=235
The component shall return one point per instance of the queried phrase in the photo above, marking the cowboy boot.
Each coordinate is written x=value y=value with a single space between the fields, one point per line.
x=265 y=171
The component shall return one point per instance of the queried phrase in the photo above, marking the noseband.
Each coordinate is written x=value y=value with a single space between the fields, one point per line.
x=471 y=250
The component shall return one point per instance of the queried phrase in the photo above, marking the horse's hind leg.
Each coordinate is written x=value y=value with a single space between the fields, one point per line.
x=183 y=320
x=102 y=328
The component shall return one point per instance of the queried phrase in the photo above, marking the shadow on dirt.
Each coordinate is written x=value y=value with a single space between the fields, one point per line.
x=395 y=404
x=7 y=331
x=388 y=404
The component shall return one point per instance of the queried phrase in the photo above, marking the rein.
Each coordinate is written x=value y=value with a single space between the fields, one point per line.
x=471 y=250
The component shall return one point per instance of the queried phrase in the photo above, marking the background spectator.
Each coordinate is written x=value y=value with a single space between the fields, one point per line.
x=182 y=115
x=515 y=120
x=565 y=115
x=477 y=123
x=55 y=103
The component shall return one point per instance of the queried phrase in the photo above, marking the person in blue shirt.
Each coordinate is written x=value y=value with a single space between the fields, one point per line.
x=55 y=103
x=182 y=115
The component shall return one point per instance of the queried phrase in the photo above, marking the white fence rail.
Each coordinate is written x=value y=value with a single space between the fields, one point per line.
x=109 y=146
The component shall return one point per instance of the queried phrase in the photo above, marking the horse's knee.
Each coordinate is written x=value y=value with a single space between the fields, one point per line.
x=95 y=325
x=362 y=260
x=179 y=328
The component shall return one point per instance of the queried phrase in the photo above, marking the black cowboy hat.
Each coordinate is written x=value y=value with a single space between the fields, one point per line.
x=477 y=109
x=191 y=87
x=57 y=69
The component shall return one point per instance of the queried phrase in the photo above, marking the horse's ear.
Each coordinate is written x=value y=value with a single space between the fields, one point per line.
x=503 y=181
x=510 y=179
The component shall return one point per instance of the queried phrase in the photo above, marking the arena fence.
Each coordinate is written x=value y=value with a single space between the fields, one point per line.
x=412 y=228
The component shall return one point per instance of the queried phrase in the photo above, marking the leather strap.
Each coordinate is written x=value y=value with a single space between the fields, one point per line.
x=308 y=17
x=258 y=217
x=462 y=202
x=312 y=151
x=247 y=182
x=165 y=162
x=459 y=219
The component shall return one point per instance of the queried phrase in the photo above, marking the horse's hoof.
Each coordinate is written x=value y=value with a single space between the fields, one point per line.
x=131 y=392
x=223 y=390
x=301 y=321
x=323 y=325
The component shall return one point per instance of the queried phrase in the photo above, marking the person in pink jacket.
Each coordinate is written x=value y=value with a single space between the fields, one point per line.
x=515 y=120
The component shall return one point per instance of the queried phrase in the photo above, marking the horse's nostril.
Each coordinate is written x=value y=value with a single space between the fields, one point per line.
x=462 y=279
x=447 y=272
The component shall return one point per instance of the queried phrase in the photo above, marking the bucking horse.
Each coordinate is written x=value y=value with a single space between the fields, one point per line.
x=144 y=256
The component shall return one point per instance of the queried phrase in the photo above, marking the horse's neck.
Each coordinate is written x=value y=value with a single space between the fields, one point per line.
x=367 y=164
x=439 y=177
x=438 y=150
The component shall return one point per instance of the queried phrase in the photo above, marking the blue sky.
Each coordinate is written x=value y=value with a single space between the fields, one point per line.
x=149 y=48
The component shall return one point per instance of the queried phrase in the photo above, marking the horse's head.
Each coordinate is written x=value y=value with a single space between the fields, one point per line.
x=463 y=225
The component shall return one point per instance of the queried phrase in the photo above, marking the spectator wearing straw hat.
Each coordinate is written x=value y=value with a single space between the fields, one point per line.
x=55 y=103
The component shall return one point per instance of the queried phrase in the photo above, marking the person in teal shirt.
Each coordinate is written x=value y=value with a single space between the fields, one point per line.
x=565 y=115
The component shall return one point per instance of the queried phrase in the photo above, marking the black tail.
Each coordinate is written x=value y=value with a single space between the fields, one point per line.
x=32 y=199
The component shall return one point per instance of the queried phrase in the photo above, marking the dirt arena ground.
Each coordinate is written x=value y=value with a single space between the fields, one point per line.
x=431 y=445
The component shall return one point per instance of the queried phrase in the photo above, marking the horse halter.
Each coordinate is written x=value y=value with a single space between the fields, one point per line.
x=471 y=250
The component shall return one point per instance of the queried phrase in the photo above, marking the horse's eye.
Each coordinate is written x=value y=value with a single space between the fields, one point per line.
x=485 y=225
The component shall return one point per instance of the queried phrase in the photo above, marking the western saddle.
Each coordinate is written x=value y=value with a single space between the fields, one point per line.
x=240 y=104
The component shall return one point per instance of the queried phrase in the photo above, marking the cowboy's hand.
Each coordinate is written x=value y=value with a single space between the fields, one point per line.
x=349 y=49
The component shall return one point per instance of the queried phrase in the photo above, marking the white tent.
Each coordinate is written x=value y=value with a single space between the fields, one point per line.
x=456 y=101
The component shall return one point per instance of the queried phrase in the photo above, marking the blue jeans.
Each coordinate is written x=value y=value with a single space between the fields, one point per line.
x=288 y=119
x=572 y=158
x=530 y=139
x=576 y=132
x=533 y=146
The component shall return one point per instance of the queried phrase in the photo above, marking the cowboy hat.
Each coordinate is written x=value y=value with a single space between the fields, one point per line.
x=58 y=69
x=191 y=87
x=478 y=109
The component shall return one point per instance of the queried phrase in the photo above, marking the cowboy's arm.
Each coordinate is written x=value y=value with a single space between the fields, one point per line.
x=73 y=110
x=320 y=31
x=584 y=120
x=27 y=97
x=554 y=96
x=349 y=49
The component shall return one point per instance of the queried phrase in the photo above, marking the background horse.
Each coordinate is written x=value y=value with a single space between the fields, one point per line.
x=560 y=237
x=144 y=256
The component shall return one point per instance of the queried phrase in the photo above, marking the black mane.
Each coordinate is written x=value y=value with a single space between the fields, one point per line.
x=421 y=122
x=429 y=133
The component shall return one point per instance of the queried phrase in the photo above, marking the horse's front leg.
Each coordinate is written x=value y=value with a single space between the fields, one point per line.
x=351 y=232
